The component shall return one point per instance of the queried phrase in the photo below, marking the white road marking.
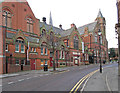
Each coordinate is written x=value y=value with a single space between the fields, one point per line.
x=109 y=89
x=35 y=76
x=46 y=74
x=28 y=78
x=0 y=85
x=21 y=80
x=41 y=75
x=10 y=83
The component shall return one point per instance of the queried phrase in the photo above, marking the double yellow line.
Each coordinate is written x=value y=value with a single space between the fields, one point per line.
x=79 y=83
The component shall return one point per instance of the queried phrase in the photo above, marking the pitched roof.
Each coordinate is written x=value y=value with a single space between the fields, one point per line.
x=66 y=32
x=90 y=26
x=48 y=27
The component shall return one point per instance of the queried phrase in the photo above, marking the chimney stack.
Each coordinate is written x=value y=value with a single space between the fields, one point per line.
x=44 y=19
x=72 y=25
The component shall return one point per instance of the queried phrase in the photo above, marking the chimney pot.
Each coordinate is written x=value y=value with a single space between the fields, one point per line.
x=72 y=25
x=44 y=19
x=60 y=26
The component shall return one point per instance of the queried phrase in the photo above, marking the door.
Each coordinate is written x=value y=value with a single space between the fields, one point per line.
x=32 y=64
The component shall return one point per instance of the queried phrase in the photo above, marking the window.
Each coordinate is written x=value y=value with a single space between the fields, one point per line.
x=101 y=40
x=29 y=25
x=17 y=62
x=76 y=42
x=22 y=49
x=60 y=54
x=17 y=48
x=45 y=62
x=63 y=54
x=6 y=47
x=41 y=62
x=19 y=42
x=95 y=38
x=34 y=50
x=23 y=62
x=45 y=51
x=6 y=18
x=31 y=49
x=41 y=51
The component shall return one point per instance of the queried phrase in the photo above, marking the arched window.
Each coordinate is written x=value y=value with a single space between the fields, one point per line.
x=6 y=18
x=43 y=32
x=19 y=46
x=76 y=42
x=29 y=25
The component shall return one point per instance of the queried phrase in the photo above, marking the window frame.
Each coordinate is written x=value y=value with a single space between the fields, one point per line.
x=17 y=48
x=45 y=51
x=16 y=62
x=42 y=52
x=22 y=48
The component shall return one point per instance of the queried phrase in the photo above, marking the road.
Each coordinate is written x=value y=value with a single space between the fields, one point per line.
x=70 y=80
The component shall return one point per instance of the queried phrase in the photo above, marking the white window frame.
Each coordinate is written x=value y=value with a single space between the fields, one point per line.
x=42 y=62
x=24 y=62
x=17 y=49
x=23 y=49
x=45 y=51
x=18 y=61
x=42 y=51
x=34 y=49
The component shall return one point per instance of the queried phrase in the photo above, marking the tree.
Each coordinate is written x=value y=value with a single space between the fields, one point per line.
x=112 y=53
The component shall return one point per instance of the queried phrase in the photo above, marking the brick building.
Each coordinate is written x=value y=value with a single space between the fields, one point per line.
x=90 y=37
x=29 y=44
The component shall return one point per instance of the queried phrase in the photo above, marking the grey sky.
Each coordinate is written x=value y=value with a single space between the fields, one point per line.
x=80 y=12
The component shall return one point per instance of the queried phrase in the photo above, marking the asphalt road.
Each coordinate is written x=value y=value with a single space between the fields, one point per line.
x=58 y=81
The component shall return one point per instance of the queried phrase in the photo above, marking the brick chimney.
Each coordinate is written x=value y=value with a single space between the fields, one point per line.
x=72 y=25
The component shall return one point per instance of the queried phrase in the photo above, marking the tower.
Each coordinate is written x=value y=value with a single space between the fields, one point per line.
x=102 y=22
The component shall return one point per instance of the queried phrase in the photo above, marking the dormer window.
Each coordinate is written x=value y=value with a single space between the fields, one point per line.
x=29 y=25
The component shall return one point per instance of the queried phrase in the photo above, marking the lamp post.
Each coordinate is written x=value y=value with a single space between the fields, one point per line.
x=99 y=33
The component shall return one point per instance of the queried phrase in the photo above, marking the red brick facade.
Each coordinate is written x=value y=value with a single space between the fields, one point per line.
x=28 y=44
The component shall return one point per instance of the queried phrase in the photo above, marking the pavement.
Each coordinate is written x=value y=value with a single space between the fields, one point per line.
x=105 y=81
x=33 y=71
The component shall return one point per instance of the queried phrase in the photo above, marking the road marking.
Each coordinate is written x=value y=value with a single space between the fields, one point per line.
x=41 y=75
x=21 y=79
x=82 y=80
x=46 y=74
x=10 y=83
x=28 y=78
x=108 y=84
x=85 y=84
x=0 y=85
x=35 y=76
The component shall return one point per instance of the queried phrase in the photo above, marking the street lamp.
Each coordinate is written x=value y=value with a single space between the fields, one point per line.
x=99 y=33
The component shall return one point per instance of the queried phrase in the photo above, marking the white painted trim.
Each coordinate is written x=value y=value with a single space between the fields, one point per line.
x=2 y=56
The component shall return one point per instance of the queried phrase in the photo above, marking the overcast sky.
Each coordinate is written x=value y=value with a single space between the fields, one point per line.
x=80 y=12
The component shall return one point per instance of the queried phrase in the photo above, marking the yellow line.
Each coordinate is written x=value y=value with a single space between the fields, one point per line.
x=82 y=81
x=85 y=79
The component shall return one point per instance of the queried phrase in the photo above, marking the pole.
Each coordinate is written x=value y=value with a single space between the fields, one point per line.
x=99 y=56
x=5 y=37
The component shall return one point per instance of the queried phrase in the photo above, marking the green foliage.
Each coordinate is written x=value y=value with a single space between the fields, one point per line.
x=112 y=53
